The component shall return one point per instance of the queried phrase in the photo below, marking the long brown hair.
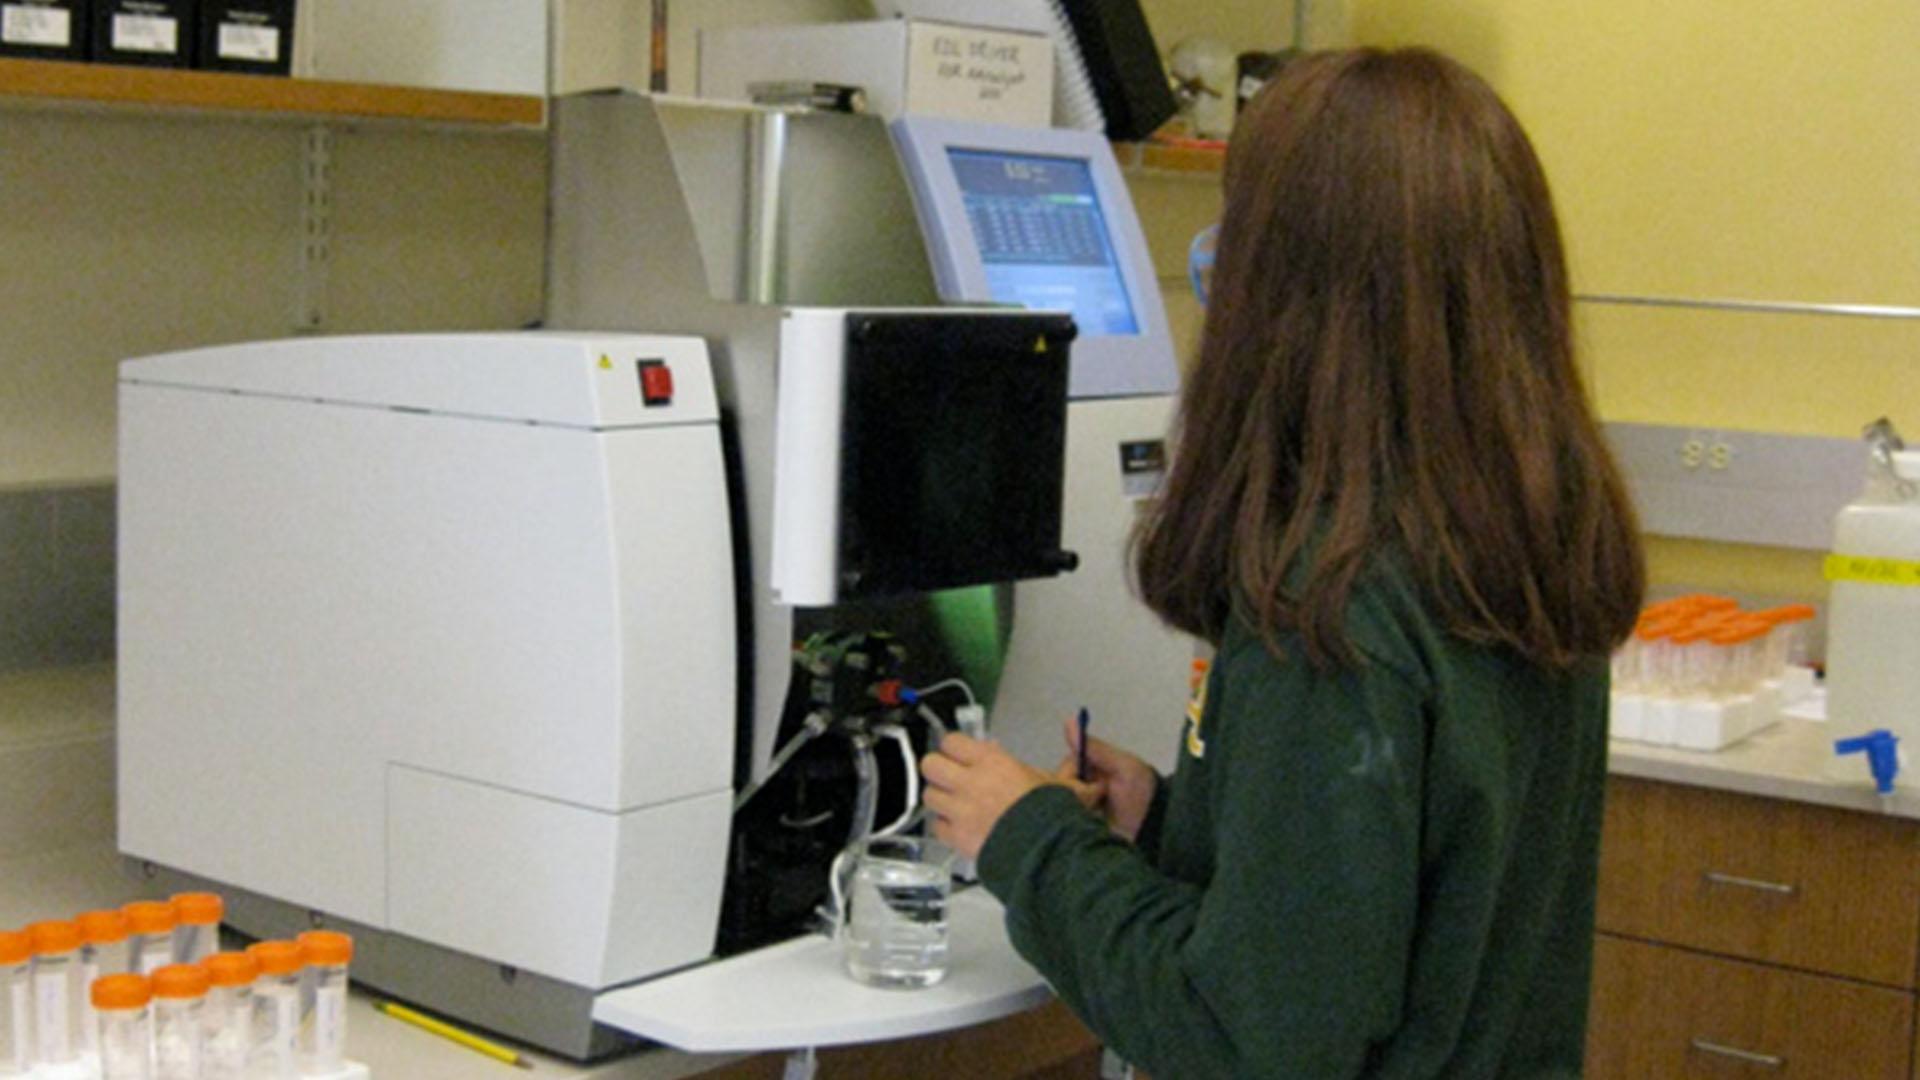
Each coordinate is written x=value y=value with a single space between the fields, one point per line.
x=1387 y=365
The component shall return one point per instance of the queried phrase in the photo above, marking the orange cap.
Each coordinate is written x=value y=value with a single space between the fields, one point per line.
x=102 y=927
x=1656 y=629
x=1740 y=631
x=179 y=981
x=325 y=948
x=54 y=938
x=150 y=917
x=199 y=908
x=276 y=957
x=121 y=992
x=15 y=947
x=1695 y=632
x=231 y=969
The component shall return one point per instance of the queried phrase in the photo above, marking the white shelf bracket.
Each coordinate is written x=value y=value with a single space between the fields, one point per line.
x=316 y=229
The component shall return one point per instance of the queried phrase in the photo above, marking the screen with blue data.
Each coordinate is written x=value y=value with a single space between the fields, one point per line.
x=1042 y=236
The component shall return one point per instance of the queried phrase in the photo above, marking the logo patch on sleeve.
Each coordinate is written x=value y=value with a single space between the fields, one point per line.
x=1197 y=710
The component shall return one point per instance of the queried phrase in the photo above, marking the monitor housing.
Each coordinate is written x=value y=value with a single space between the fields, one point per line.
x=1042 y=218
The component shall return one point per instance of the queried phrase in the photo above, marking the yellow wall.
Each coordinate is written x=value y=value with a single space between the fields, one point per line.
x=1754 y=149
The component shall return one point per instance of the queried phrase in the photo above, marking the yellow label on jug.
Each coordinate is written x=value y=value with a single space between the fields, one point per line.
x=1871 y=571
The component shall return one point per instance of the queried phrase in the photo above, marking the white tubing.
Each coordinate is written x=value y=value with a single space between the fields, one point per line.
x=912 y=765
x=816 y=724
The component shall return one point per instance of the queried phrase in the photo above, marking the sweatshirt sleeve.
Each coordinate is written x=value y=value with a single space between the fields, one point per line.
x=1291 y=960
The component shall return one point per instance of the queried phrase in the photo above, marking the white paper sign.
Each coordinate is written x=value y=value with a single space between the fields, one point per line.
x=21 y=24
x=146 y=34
x=239 y=41
x=967 y=73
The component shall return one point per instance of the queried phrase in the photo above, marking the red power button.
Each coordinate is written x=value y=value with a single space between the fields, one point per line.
x=656 y=383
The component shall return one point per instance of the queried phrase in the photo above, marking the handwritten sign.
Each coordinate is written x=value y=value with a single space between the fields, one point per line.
x=969 y=73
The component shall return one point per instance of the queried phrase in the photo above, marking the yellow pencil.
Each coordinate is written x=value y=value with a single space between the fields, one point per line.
x=453 y=1034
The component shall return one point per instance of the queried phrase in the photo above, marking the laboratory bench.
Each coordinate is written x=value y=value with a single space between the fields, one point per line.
x=1753 y=916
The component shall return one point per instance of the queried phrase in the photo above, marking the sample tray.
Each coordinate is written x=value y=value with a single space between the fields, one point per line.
x=796 y=994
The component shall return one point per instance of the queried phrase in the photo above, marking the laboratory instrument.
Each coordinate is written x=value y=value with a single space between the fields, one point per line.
x=16 y=1003
x=57 y=995
x=150 y=931
x=124 y=1005
x=230 y=1015
x=1873 y=624
x=198 y=934
x=660 y=608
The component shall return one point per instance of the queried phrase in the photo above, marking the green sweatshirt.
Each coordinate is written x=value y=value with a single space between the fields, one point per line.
x=1385 y=870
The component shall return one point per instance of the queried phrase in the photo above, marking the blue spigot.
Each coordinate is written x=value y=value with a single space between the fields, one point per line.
x=1882 y=748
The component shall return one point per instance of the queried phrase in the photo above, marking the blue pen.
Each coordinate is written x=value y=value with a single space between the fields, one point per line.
x=1081 y=768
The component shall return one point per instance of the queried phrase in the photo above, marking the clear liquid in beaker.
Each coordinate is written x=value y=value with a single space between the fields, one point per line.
x=896 y=934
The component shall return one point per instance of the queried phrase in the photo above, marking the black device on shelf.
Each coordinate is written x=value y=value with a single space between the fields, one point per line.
x=148 y=33
x=1124 y=63
x=44 y=29
x=250 y=36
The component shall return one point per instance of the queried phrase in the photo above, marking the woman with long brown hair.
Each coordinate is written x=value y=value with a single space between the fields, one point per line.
x=1392 y=512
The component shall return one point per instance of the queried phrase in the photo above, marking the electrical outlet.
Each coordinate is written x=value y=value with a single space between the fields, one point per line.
x=1693 y=452
x=1720 y=457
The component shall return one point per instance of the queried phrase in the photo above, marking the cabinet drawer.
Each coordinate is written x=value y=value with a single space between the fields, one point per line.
x=1664 y=1012
x=1805 y=886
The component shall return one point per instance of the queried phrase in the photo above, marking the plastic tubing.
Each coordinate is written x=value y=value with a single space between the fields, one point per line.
x=866 y=797
x=815 y=726
x=911 y=763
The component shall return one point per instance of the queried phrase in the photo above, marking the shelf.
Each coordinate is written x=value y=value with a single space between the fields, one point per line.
x=1184 y=160
x=114 y=86
x=796 y=995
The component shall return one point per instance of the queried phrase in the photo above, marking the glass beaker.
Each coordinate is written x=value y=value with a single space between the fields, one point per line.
x=893 y=918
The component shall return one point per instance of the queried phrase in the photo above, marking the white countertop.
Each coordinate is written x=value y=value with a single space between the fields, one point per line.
x=1787 y=761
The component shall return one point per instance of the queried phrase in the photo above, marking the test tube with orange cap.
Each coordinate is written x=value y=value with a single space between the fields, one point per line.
x=103 y=951
x=150 y=926
x=56 y=991
x=179 y=1021
x=126 y=1026
x=198 y=934
x=16 y=1003
x=277 y=995
x=229 y=1014
x=1784 y=642
x=327 y=955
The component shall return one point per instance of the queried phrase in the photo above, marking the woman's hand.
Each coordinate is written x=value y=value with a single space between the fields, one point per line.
x=1126 y=782
x=971 y=783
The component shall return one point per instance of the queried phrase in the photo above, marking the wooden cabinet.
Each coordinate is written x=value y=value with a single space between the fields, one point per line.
x=1746 y=936
x=1783 y=883
x=1667 y=1012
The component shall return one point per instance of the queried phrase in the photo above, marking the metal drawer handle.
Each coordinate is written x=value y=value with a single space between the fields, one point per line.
x=1745 y=1057
x=1750 y=883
